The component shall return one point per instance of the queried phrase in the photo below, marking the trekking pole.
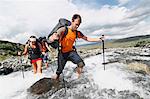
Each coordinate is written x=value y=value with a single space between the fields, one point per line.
x=63 y=78
x=103 y=52
x=64 y=83
x=52 y=56
x=22 y=67
x=59 y=51
x=20 y=61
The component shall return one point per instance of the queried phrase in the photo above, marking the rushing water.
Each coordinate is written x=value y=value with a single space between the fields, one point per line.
x=116 y=82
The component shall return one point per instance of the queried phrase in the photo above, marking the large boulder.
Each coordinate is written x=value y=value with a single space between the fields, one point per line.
x=139 y=68
x=45 y=85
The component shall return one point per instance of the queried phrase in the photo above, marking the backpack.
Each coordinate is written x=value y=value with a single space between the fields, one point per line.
x=62 y=23
x=42 y=41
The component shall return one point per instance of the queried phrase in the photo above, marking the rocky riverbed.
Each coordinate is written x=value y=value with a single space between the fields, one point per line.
x=126 y=76
x=122 y=55
x=14 y=64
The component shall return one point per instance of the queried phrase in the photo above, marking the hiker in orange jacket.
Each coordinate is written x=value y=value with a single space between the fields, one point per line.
x=67 y=51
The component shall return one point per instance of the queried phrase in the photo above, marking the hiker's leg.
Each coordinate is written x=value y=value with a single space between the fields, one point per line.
x=46 y=64
x=45 y=60
x=61 y=64
x=76 y=59
x=34 y=67
x=79 y=69
x=39 y=65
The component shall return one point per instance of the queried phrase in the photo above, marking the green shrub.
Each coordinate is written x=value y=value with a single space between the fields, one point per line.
x=142 y=43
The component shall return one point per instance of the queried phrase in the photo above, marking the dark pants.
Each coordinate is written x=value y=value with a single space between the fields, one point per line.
x=71 y=56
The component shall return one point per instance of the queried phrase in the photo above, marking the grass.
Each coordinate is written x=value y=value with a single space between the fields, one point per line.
x=110 y=44
x=89 y=47
x=3 y=57
x=126 y=44
x=139 y=67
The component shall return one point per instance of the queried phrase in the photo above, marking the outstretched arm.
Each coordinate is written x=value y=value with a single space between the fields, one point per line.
x=92 y=39
x=57 y=35
x=25 y=50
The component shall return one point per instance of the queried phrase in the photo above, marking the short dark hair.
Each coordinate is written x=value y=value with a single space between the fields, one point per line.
x=76 y=16
x=32 y=36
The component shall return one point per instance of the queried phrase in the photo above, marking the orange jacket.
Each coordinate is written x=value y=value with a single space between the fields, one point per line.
x=68 y=41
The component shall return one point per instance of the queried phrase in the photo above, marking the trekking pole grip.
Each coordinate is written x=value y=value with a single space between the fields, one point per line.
x=102 y=37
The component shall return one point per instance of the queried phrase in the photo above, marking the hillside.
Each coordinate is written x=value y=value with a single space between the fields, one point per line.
x=8 y=49
x=136 y=41
x=134 y=38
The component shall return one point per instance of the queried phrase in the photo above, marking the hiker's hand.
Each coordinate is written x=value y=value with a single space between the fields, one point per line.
x=43 y=53
x=102 y=38
x=54 y=37
x=19 y=53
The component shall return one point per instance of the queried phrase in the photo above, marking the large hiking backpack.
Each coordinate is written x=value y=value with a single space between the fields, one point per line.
x=62 y=23
x=42 y=41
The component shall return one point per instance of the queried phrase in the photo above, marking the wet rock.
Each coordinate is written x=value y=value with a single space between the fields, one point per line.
x=139 y=68
x=22 y=63
x=45 y=85
x=5 y=70
x=111 y=93
x=80 y=97
x=130 y=96
x=137 y=79
x=15 y=64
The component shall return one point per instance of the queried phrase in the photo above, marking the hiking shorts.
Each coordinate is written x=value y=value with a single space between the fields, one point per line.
x=69 y=56
x=35 y=60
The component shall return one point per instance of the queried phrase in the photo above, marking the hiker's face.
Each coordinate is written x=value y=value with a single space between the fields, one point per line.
x=75 y=24
x=33 y=42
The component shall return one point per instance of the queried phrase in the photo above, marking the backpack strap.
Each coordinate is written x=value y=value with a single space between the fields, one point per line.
x=76 y=34
x=65 y=33
x=30 y=50
x=75 y=40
